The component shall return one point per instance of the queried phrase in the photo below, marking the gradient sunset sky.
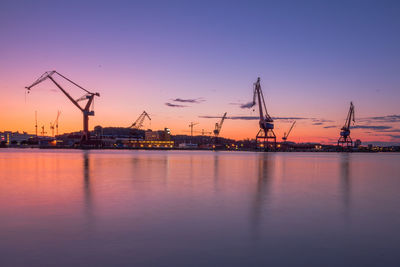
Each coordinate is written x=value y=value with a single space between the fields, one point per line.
x=313 y=57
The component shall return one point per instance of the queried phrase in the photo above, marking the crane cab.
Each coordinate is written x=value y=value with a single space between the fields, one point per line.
x=266 y=125
x=89 y=113
x=344 y=132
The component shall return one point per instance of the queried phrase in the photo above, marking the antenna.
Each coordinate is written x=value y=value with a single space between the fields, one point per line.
x=36 y=123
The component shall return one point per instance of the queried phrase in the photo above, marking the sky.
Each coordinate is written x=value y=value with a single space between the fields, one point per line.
x=191 y=61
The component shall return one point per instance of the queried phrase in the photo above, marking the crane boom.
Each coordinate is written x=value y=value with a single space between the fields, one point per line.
x=218 y=126
x=261 y=102
x=350 y=117
x=89 y=97
x=286 y=135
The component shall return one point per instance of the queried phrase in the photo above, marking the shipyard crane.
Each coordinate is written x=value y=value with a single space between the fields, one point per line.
x=345 y=139
x=139 y=121
x=55 y=124
x=89 y=97
x=191 y=125
x=218 y=126
x=286 y=135
x=266 y=123
x=203 y=132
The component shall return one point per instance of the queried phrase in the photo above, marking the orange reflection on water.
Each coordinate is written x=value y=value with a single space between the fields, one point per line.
x=162 y=207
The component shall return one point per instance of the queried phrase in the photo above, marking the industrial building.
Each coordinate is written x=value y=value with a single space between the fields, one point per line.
x=9 y=138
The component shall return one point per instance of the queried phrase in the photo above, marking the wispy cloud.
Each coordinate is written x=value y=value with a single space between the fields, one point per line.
x=252 y=118
x=386 y=118
x=290 y=118
x=330 y=126
x=247 y=105
x=175 y=105
x=372 y=127
x=244 y=105
x=318 y=123
x=390 y=130
x=231 y=117
x=190 y=100
x=321 y=120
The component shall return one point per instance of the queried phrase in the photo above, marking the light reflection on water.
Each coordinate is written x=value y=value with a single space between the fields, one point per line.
x=149 y=208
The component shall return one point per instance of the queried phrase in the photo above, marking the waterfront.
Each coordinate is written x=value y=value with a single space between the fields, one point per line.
x=178 y=208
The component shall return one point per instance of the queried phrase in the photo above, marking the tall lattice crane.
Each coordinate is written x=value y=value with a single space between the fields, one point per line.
x=55 y=124
x=286 y=135
x=345 y=139
x=89 y=96
x=266 y=123
x=139 y=121
x=191 y=125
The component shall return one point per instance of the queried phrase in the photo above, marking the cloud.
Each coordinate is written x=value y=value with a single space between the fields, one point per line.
x=252 y=118
x=387 y=118
x=321 y=120
x=318 y=123
x=289 y=118
x=175 y=105
x=248 y=105
x=330 y=126
x=232 y=117
x=391 y=131
x=190 y=100
x=244 y=105
x=372 y=127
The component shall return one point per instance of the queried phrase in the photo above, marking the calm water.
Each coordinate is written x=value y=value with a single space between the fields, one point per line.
x=148 y=208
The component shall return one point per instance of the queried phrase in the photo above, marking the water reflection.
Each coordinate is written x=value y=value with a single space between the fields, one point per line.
x=216 y=172
x=113 y=208
x=262 y=194
x=345 y=182
x=87 y=191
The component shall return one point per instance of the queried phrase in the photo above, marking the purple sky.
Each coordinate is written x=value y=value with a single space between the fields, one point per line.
x=313 y=57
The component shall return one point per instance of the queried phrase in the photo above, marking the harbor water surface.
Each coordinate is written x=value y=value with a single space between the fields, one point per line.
x=177 y=208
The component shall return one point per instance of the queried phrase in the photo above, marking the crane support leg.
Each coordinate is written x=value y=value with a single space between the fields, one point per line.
x=345 y=142
x=85 y=135
x=266 y=140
